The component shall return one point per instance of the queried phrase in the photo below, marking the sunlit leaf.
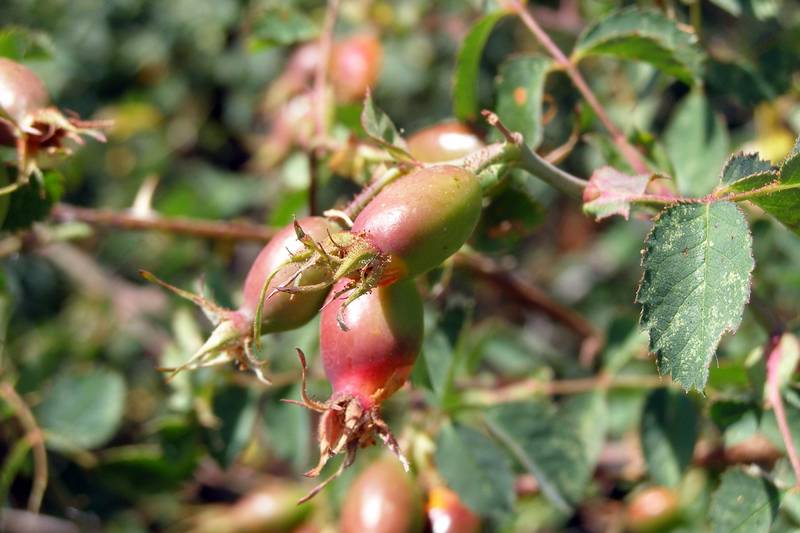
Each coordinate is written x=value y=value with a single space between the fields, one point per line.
x=520 y=89
x=465 y=87
x=644 y=35
x=697 y=263
x=610 y=192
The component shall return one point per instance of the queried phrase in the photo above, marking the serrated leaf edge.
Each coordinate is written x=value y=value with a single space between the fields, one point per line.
x=728 y=329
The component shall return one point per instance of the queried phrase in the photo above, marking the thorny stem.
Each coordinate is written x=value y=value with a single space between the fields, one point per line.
x=366 y=195
x=629 y=152
x=239 y=231
x=774 y=354
x=36 y=439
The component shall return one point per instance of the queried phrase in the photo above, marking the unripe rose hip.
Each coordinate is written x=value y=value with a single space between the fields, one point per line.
x=282 y=311
x=421 y=219
x=22 y=93
x=28 y=123
x=447 y=514
x=382 y=499
x=652 y=509
x=443 y=142
x=355 y=66
x=275 y=273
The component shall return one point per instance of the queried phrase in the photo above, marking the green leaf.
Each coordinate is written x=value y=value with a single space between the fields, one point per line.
x=438 y=358
x=380 y=128
x=742 y=166
x=20 y=43
x=743 y=503
x=29 y=204
x=465 y=85
x=559 y=448
x=288 y=430
x=610 y=192
x=511 y=215
x=736 y=420
x=778 y=195
x=668 y=433
x=745 y=172
x=697 y=263
x=281 y=25
x=82 y=411
x=235 y=408
x=644 y=35
x=474 y=467
x=520 y=88
x=696 y=142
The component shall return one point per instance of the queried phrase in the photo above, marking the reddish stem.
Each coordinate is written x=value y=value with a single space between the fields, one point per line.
x=775 y=398
x=629 y=152
x=235 y=231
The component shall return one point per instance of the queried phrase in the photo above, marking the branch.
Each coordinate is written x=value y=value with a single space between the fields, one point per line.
x=629 y=152
x=532 y=296
x=36 y=439
x=235 y=231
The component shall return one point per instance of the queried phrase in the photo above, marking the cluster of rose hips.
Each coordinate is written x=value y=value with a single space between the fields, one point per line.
x=382 y=498
x=362 y=280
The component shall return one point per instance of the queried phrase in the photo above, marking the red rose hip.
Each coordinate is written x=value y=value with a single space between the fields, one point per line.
x=365 y=364
x=382 y=499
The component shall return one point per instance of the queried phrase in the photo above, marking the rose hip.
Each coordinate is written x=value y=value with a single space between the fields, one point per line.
x=443 y=142
x=382 y=499
x=365 y=365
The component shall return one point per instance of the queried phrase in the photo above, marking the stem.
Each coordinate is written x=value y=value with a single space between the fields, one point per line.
x=629 y=152
x=369 y=192
x=532 y=163
x=36 y=440
x=775 y=398
x=528 y=388
x=235 y=231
